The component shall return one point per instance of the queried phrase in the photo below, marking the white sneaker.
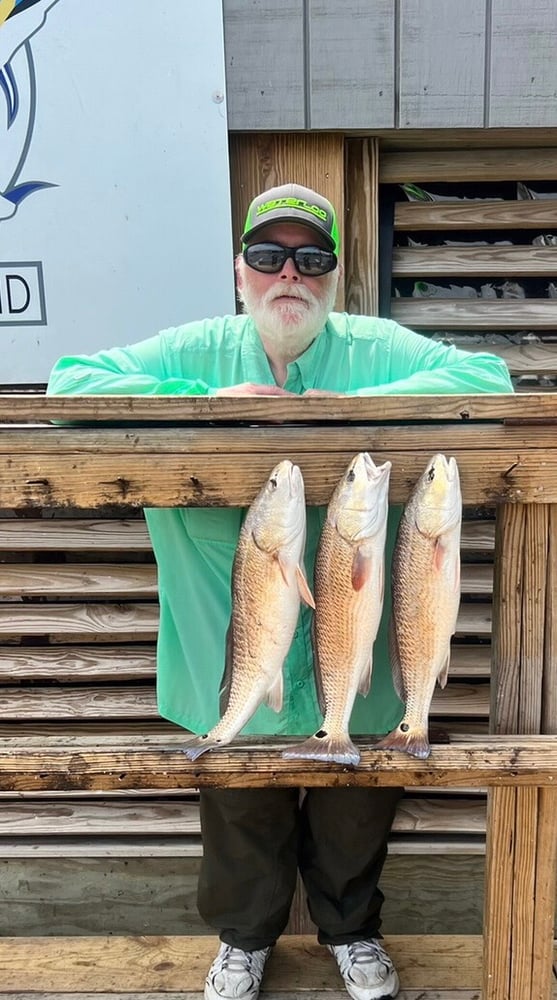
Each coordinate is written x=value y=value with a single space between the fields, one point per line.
x=235 y=974
x=367 y=970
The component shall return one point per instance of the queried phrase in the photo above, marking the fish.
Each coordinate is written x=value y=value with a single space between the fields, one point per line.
x=268 y=583
x=349 y=591
x=425 y=599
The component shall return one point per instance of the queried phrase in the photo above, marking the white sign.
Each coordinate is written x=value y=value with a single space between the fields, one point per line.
x=114 y=182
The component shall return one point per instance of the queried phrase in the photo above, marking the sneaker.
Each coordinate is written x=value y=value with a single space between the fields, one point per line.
x=367 y=970
x=235 y=974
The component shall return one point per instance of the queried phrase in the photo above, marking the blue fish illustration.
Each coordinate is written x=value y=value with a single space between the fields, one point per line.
x=19 y=21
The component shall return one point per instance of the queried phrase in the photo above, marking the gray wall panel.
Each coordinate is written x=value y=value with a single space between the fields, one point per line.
x=264 y=53
x=523 y=63
x=441 y=63
x=351 y=63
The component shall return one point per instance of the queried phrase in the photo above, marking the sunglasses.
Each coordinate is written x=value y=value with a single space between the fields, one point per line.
x=270 y=258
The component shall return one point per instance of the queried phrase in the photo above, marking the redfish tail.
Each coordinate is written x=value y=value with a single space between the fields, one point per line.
x=412 y=740
x=198 y=745
x=322 y=746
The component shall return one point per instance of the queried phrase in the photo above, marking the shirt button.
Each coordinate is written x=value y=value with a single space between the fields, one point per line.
x=300 y=684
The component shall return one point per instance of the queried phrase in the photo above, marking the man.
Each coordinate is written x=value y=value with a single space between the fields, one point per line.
x=286 y=342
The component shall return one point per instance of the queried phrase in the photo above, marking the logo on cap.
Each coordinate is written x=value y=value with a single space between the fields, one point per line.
x=299 y=203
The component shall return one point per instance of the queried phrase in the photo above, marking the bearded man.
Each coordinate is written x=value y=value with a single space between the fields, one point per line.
x=287 y=341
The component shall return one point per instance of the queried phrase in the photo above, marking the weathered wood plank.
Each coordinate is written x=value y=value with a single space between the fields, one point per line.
x=476 y=215
x=298 y=963
x=475 y=762
x=351 y=64
x=362 y=226
x=510 y=534
x=544 y=893
x=523 y=76
x=522 y=359
x=476 y=314
x=84 y=664
x=514 y=262
x=468 y=165
x=532 y=653
x=441 y=59
x=265 y=83
x=55 y=534
x=527 y=475
x=93 y=580
x=498 y=914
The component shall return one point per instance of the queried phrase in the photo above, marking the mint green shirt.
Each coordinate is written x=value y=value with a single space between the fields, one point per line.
x=194 y=547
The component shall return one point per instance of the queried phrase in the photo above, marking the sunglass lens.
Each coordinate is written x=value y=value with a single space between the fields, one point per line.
x=313 y=261
x=265 y=257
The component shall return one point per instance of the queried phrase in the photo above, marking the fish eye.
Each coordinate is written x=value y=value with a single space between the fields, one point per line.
x=351 y=476
x=431 y=474
x=273 y=483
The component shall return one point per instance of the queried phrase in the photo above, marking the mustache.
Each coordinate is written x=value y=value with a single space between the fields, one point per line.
x=293 y=292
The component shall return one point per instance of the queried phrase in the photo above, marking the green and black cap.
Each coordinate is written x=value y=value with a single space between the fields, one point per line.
x=293 y=203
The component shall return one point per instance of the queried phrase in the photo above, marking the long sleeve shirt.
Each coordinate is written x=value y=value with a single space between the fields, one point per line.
x=194 y=547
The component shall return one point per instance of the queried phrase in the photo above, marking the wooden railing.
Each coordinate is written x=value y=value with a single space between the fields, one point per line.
x=111 y=452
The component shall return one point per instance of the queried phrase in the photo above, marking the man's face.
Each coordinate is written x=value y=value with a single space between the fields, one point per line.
x=288 y=307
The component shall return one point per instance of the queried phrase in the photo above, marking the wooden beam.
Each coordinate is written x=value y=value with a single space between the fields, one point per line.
x=475 y=314
x=471 y=216
x=473 y=762
x=468 y=166
x=474 y=262
x=362 y=226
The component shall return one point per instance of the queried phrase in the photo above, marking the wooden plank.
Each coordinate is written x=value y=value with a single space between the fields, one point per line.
x=197 y=410
x=540 y=214
x=474 y=762
x=532 y=652
x=475 y=314
x=351 y=64
x=114 y=702
x=90 y=535
x=362 y=226
x=82 y=663
x=544 y=894
x=510 y=534
x=208 y=480
x=523 y=76
x=137 y=621
x=513 y=262
x=441 y=60
x=258 y=162
x=521 y=359
x=298 y=963
x=498 y=914
x=265 y=85
x=523 y=899
x=477 y=536
x=92 y=579
x=549 y=687
x=468 y=165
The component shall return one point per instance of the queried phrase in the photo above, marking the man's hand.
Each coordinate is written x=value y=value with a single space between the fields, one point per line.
x=322 y=392
x=253 y=389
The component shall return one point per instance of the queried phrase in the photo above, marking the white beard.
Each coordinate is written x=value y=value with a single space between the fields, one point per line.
x=291 y=324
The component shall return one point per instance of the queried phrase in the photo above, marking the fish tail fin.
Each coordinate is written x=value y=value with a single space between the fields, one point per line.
x=322 y=746
x=412 y=740
x=198 y=745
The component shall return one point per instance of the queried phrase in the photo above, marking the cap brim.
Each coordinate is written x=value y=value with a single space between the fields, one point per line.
x=250 y=233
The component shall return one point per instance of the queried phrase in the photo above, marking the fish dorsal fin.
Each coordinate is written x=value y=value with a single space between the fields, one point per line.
x=365 y=679
x=444 y=672
x=396 y=669
x=274 y=695
x=361 y=568
x=303 y=587
x=226 y=682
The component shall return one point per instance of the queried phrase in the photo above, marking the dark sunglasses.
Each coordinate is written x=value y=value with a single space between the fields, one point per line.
x=270 y=258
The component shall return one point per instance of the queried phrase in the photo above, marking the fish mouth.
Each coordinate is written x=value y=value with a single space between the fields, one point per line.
x=363 y=465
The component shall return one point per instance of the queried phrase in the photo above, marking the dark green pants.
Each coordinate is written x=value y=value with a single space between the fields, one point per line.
x=255 y=840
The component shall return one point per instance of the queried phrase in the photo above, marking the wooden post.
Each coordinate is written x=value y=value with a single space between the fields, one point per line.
x=521 y=852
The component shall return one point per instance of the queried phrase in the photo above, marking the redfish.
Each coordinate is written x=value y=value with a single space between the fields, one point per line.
x=349 y=590
x=268 y=582
x=425 y=599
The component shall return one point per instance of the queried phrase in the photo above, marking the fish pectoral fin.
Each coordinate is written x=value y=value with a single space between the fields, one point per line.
x=394 y=657
x=444 y=672
x=365 y=679
x=362 y=565
x=446 y=560
x=274 y=695
x=303 y=587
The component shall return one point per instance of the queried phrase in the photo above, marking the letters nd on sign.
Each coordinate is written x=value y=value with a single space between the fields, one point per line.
x=22 y=297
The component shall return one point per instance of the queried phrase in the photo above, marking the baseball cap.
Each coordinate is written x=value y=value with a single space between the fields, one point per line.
x=293 y=203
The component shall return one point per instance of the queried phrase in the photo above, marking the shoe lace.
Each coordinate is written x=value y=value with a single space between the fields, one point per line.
x=236 y=960
x=361 y=953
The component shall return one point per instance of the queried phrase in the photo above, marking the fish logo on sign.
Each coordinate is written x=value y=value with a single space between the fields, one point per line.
x=19 y=21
